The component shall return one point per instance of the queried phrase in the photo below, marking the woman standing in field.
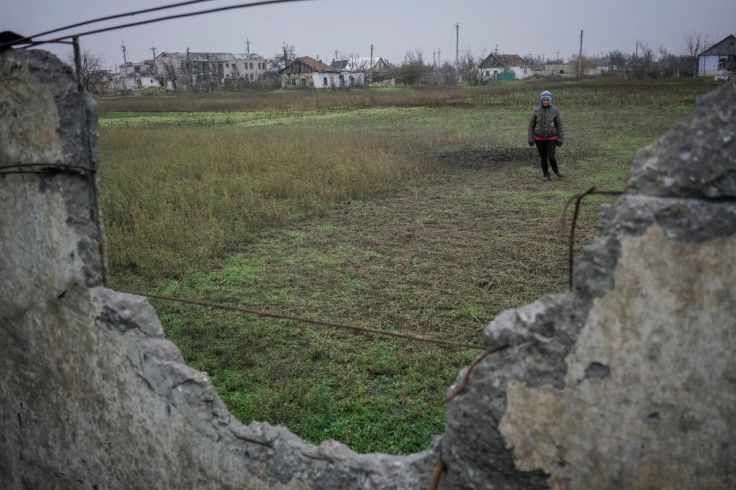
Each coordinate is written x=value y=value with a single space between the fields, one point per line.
x=545 y=129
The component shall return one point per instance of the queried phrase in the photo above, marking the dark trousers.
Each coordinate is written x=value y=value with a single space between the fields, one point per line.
x=546 y=149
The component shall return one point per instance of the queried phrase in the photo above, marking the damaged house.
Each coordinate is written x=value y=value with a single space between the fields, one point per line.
x=376 y=69
x=306 y=72
x=184 y=70
x=504 y=67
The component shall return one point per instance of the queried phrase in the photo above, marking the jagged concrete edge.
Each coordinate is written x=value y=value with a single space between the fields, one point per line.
x=679 y=165
x=330 y=465
x=548 y=328
x=79 y=136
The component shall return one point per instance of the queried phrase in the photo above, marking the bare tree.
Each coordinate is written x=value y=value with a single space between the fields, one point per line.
x=283 y=59
x=642 y=65
x=694 y=44
x=413 y=69
x=469 y=69
x=617 y=60
x=355 y=63
x=531 y=60
x=578 y=64
x=90 y=68
x=668 y=63
x=447 y=74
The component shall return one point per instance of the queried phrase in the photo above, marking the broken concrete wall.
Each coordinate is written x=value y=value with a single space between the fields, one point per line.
x=627 y=380
x=93 y=395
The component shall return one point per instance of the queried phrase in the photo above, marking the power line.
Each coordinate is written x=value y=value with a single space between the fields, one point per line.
x=117 y=16
x=29 y=41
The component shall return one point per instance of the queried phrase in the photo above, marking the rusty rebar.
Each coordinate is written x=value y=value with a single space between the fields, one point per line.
x=282 y=316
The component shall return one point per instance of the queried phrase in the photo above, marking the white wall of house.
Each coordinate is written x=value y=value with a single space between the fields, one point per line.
x=353 y=79
x=244 y=69
x=229 y=69
x=252 y=69
x=132 y=82
x=595 y=71
x=708 y=66
x=523 y=71
x=325 y=80
x=557 y=69
x=569 y=70
x=519 y=72
x=148 y=82
x=125 y=83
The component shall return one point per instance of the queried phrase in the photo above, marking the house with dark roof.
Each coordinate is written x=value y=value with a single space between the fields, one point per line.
x=504 y=67
x=306 y=72
x=719 y=60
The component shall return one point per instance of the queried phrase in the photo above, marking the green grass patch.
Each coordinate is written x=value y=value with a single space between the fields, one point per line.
x=415 y=210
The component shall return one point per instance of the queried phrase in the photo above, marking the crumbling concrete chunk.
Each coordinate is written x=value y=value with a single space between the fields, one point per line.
x=671 y=309
x=697 y=158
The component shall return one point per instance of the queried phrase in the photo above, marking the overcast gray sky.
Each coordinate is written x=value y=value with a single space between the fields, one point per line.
x=318 y=28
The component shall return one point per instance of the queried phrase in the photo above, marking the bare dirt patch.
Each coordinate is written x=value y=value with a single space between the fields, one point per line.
x=487 y=158
x=441 y=259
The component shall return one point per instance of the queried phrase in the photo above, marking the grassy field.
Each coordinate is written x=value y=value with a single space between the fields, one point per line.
x=419 y=211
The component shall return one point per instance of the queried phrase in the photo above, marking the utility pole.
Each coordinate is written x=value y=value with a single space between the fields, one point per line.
x=125 y=62
x=189 y=68
x=457 y=47
x=371 y=66
x=580 y=55
x=439 y=57
x=153 y=50
x=247 y=58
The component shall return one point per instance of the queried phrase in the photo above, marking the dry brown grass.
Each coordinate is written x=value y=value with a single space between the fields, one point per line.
x=178 y=198
x=603 y=91
x=466 y=230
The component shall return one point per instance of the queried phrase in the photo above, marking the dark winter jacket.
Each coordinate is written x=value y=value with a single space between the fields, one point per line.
x=545 y=123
